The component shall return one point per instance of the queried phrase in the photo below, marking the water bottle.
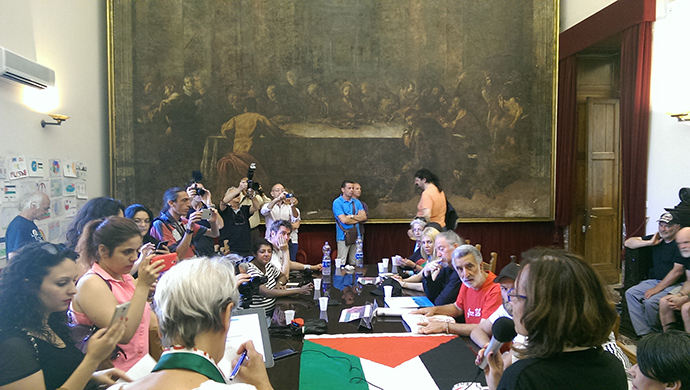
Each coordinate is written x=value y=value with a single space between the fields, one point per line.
x=326 y=260
x=359 y=253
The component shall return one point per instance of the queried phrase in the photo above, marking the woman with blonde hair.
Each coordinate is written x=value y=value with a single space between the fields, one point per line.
x=414 y=282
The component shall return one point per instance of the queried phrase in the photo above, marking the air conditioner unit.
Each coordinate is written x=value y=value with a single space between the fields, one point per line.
x=23 y=70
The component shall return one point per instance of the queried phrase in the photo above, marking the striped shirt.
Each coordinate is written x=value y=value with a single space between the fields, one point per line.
x=258 y=300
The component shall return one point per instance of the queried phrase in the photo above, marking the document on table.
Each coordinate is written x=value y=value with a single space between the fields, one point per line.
x=407 y=302
x=412 y=320
x=355 y=313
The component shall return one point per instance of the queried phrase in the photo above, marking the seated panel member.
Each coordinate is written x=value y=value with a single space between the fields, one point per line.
x=441 y=283
x=279 y=237
x=478 y=298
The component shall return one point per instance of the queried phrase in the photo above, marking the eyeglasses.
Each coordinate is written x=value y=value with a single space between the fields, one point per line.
x=513 y=297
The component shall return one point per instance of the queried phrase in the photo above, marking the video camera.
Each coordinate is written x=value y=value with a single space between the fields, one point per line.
x=249 y=288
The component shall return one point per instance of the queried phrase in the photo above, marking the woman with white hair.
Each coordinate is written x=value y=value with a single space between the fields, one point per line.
x=193 y=302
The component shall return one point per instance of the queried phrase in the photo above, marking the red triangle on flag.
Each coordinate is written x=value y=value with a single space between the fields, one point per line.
x=387 y=350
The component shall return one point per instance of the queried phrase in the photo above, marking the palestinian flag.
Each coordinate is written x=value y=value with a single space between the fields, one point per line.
x=387 y=361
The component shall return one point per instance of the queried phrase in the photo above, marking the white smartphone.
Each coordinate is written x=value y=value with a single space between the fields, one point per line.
x=120 y=312
x=206 y=214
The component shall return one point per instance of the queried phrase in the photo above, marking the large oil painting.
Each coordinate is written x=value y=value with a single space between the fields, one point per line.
x=318 y=91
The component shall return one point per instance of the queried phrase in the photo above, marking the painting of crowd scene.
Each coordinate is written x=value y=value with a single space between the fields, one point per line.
x=320 y=91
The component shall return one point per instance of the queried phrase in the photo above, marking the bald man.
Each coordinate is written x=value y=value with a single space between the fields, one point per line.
x=22 y=230
x=680 y=301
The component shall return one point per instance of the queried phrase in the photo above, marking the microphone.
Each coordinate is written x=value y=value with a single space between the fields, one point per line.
x=504 y=331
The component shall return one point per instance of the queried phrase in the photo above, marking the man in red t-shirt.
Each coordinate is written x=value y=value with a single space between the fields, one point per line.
x=479 y=296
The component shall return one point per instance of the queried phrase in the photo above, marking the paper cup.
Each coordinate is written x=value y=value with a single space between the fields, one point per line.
x=338 y=263
x=317 y=283
x=386 y=261
x=387 y=291
x=289 y=316
x=383 y=268
x=323 y=303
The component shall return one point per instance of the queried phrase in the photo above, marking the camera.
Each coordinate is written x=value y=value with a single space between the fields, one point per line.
x=249 y=288
x=288 y=196
x=250 y=179
x=200 y=191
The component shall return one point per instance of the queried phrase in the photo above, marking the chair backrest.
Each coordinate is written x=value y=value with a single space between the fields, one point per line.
x=491 y=265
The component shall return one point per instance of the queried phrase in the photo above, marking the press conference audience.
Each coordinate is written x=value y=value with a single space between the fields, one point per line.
x=194 y=302
x=36 y=349
x=200 y=199
x=663 y=362
x=22 y=230
x=274 y=287
x=414 y=282
x=560 y=304
x=236 y=218
x=142 y=217
x=412 y=262
x=477 y=299
x=114 y=243
x=95 y=208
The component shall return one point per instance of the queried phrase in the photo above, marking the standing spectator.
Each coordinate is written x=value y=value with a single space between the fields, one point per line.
x=255 y=217
x=356 y=193
x=282 y=207
x=95 y=208
x=200 y=199
x=22 y=230
x=173 y=227
x=667 y=268
x=432 y=205
x=142 y=217
x=348 y=213
x=236 y=218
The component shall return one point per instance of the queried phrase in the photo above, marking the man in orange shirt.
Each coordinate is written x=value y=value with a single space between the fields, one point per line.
x=432 y=205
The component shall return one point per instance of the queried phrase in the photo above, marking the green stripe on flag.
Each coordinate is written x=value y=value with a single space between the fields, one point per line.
x=323 y=367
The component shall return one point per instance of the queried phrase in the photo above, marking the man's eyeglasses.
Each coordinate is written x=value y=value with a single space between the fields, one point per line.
x=513 y=297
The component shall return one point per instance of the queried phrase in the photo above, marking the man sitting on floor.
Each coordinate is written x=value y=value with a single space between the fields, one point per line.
x=479 y=296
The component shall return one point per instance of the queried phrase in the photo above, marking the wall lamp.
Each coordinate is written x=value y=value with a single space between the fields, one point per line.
x=58 y=120
x=682 y=117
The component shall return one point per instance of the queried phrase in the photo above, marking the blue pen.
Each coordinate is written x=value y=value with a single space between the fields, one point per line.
x=236 y=369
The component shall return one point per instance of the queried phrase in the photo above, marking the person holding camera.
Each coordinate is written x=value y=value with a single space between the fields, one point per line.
x=282 y=207
x=236 y=217
x=200 y=199
x=274 y=281
x=178 y=231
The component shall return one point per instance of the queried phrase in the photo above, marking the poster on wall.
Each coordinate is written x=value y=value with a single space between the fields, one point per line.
x=80 y=187
x=69 y=187
x=17 y=168
x=81 y=170
x=55 y=188
x=42 y=186
x=9 y=192
x=36 y=168
x=70 y=207
x=55 y=168
x=69 y=168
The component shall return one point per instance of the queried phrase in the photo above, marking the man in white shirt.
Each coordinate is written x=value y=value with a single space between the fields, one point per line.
x=282 y=207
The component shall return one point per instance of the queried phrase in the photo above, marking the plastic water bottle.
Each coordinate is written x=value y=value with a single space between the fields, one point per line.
x=359 y=253
x=326 y=260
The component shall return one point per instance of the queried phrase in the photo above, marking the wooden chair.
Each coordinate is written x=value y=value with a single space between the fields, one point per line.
x=491 y=265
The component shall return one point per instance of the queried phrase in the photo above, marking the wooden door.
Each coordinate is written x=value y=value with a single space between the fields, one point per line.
x=602 y=219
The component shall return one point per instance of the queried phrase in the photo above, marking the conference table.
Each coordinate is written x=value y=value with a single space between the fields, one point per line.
x=451 y=363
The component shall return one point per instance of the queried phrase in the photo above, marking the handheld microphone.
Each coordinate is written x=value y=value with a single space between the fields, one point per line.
x=504 y=331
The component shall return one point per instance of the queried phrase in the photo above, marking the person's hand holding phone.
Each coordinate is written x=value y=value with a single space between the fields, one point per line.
x=149 y=272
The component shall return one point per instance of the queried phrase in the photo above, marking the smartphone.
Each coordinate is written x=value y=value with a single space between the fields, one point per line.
x=284 y=353
x=160 y=244
x=120 y=312
x=170 y=260
x=206 y=214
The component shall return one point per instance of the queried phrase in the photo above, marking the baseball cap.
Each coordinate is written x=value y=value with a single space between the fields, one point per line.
x=509 y=271
x=668 y=218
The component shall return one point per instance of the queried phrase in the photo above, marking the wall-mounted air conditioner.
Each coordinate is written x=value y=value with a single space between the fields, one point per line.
x=23 y=70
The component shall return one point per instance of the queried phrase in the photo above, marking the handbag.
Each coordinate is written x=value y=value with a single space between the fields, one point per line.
x=351 y=233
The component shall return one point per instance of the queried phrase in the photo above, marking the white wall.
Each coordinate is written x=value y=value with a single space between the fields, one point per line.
x=575 y=11
x=68 y=36
x=669 y=144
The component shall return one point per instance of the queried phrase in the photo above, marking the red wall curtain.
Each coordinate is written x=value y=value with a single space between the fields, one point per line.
x=636 y=58
x=566 y=140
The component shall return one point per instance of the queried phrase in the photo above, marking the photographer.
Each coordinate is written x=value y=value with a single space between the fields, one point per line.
x=274 y=283
x=200 y=199
x=236 y=217
x=282 y=207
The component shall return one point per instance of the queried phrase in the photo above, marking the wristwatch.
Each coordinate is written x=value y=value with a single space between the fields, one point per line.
x=189 y=231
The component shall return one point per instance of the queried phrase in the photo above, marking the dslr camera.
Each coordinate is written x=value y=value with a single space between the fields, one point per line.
x=249 y=288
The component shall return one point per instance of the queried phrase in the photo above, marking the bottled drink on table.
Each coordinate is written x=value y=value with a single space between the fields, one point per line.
x=326 y=260
x=359 y=253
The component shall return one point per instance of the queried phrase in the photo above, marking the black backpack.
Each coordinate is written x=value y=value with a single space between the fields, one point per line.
x=451 y=216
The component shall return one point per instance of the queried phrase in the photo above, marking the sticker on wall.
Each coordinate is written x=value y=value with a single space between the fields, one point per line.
x=54 y=231
x=81 y=170
x=55 y=168
x=3 y=168
x=17 y=168
x=69 y=169
x=70 y=206
x=55 y=188
x=81 y=189
x=9 y=191
x=36 y=168
x=69 y=187
x=56 y=207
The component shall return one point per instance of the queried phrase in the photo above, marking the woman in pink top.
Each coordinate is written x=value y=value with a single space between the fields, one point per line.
x=114 y=243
